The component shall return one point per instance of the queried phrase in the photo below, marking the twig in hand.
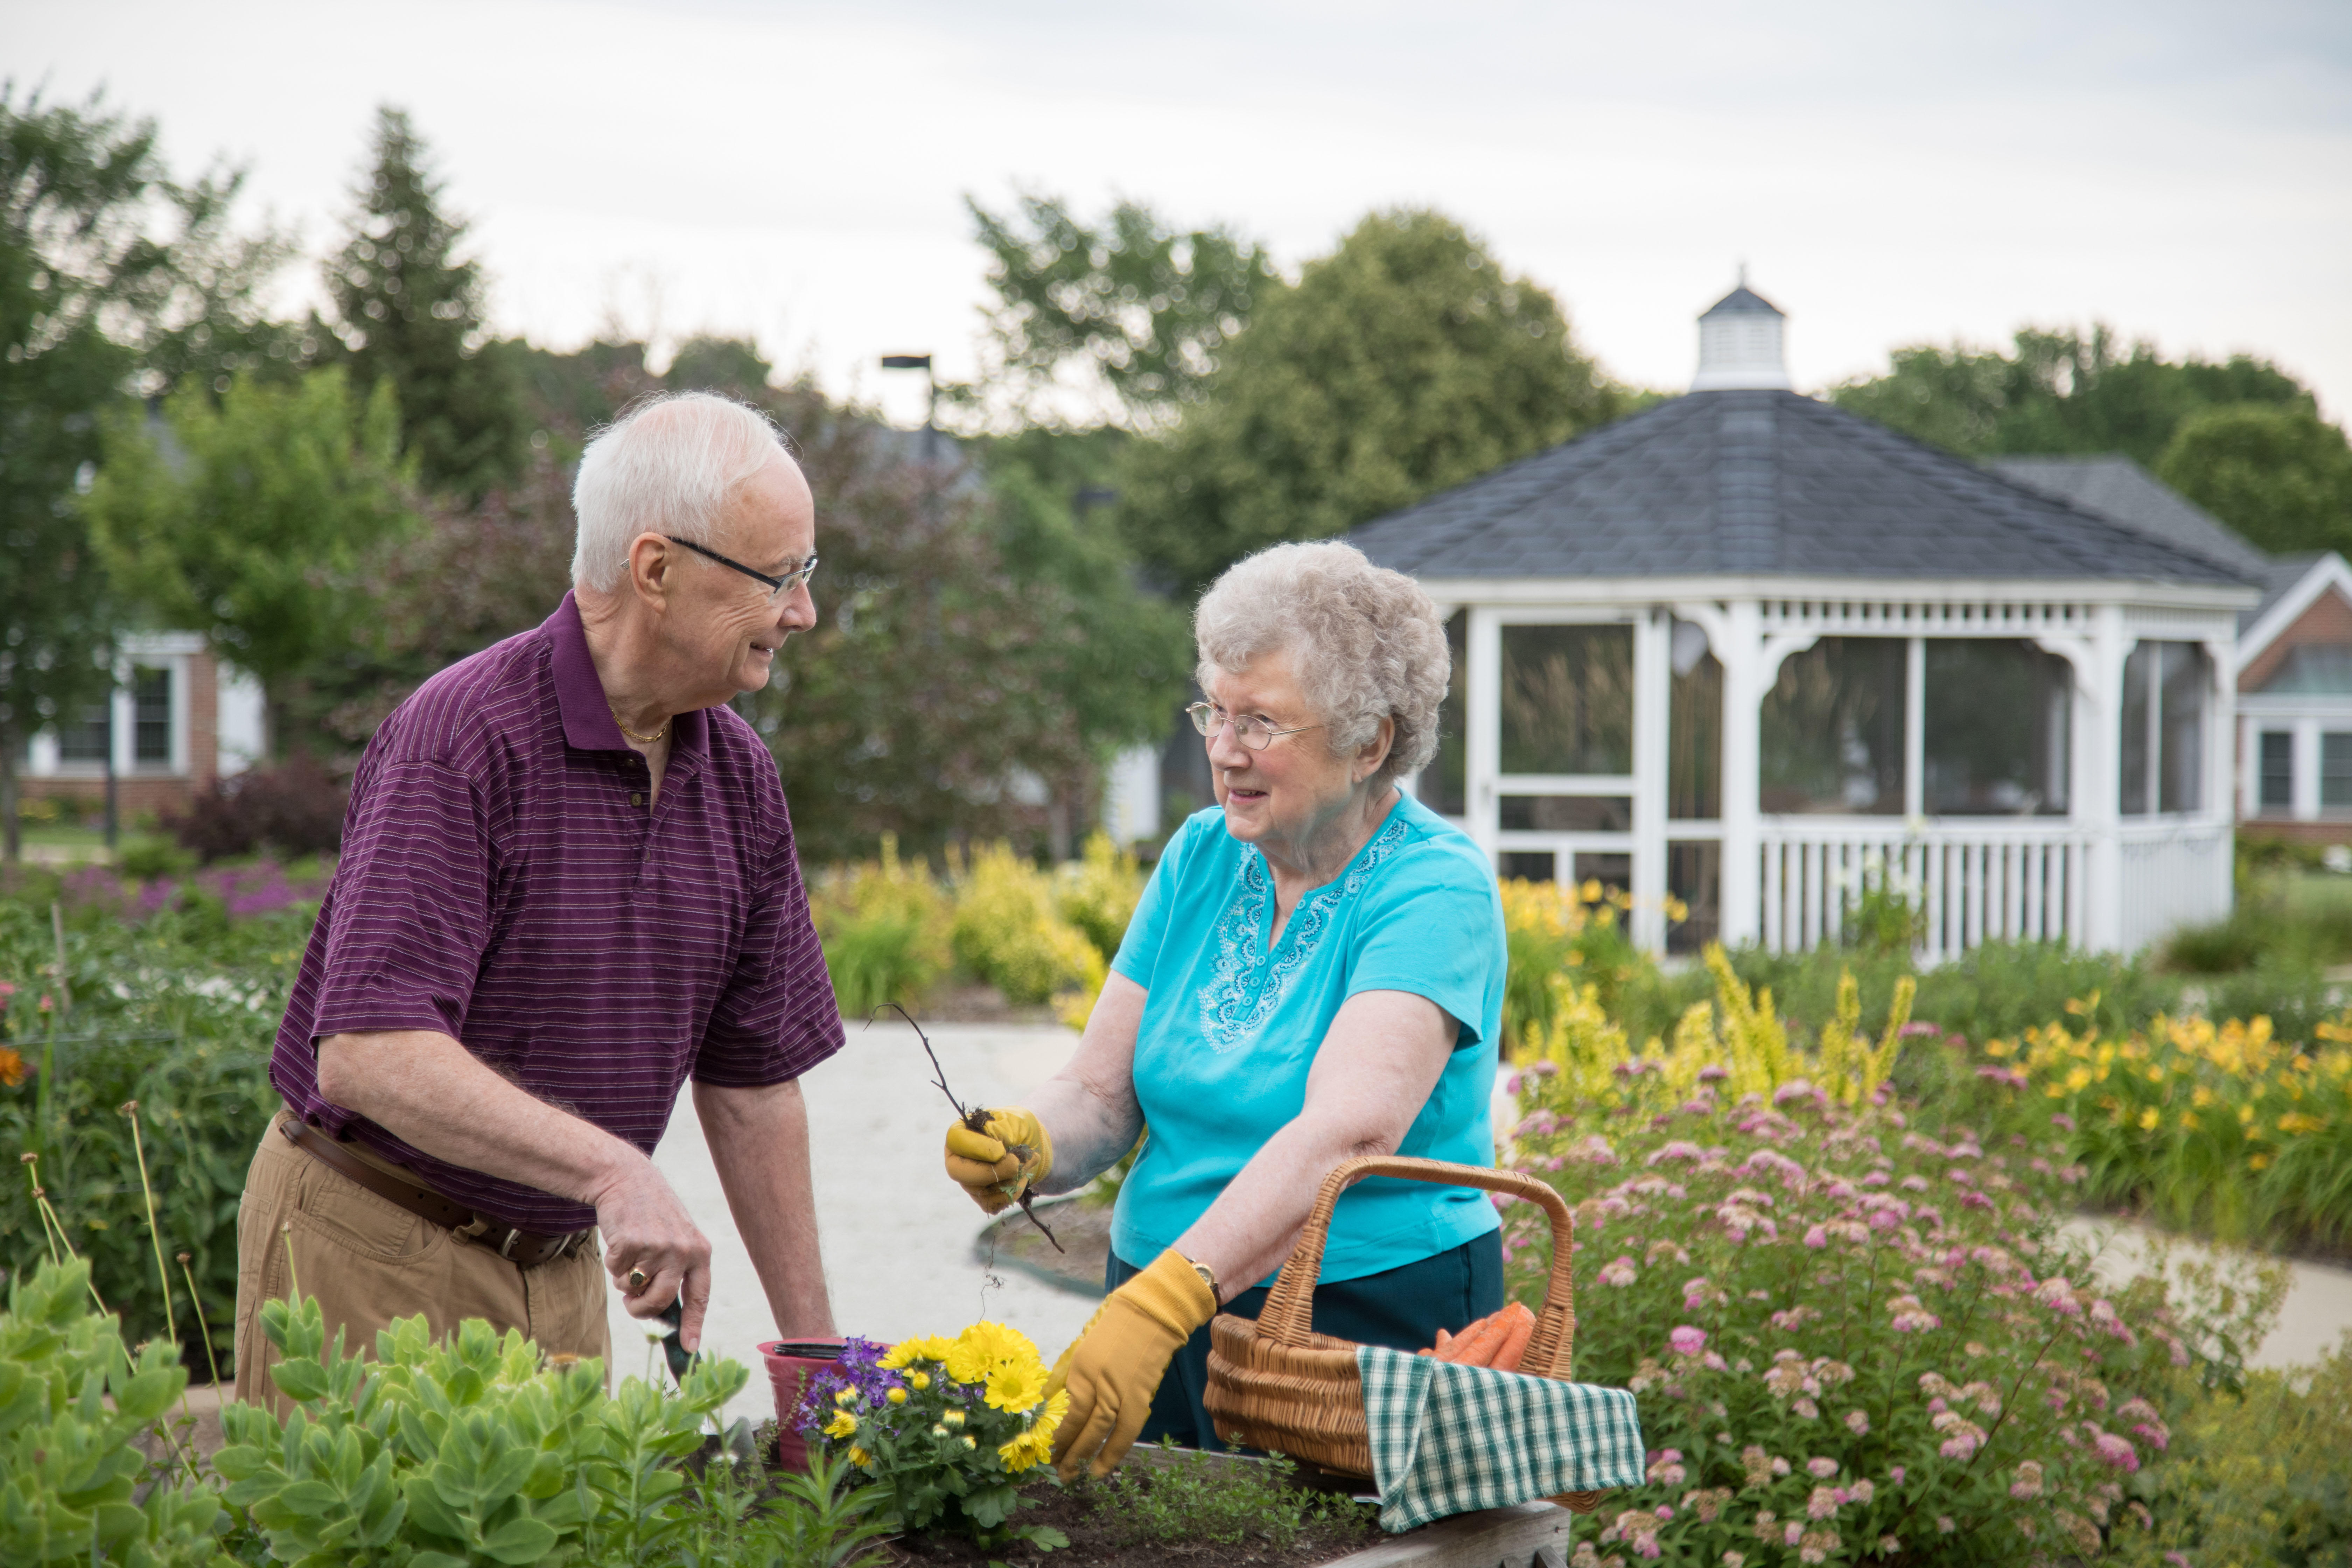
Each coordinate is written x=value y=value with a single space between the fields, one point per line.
x=975 y=1119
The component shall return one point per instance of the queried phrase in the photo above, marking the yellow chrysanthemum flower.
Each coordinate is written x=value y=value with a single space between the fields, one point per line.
x=843 y=1424
x=954 y=1417
x=1016 y=1387
x=1050 y=1418
x=844 y=1397
x=919 y=1381
x=860 y=1458
x=897 y=1397
x=1026 y=1451
x=983 y=1347
x=906 y=1352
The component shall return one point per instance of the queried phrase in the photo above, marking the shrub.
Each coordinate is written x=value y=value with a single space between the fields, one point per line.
x=884 y=925
x=293 y=809
x=2261 y=1479
x=177 y=1013
x=146 y=856
x=1848 y=1338
x=1007 y=932
x=1564 y=936
x=73 y=1487
x=475 y=1448
x=1098 y=893
x=2220 y=1127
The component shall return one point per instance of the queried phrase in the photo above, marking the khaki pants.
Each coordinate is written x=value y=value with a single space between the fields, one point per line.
x=369 y=1261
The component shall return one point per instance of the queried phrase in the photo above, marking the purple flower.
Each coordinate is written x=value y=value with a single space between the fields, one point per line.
x=1822 y=1469
x=1620 y=1272
x=859 y=1369
x=2115 y=1451
x=2063 y=1122
x=1687 y=1341
x=1817 y=1237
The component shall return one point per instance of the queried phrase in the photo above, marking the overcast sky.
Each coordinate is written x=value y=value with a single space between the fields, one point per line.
x=1890 y=172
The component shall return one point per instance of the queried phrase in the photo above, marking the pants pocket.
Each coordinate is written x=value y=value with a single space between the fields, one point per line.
x=338 y=1211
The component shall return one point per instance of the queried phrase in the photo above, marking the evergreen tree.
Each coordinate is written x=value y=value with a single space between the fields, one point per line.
x=409 y=310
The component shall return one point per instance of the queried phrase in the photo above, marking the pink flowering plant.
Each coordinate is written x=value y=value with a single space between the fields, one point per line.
x=1852 y=1340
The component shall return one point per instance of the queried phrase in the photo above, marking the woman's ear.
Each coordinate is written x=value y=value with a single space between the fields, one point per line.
x=1372 y=754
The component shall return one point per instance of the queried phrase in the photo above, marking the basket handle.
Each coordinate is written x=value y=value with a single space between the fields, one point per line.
x=1289 y=1314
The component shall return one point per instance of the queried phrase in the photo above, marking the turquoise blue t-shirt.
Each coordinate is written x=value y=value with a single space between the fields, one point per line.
x=1229 y=1029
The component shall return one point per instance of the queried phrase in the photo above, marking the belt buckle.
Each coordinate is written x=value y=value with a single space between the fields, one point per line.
x=506 y=1248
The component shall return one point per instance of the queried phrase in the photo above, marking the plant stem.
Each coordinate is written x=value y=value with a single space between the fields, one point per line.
x=32 y=1163
x=197 y=1305
x=154 y=1237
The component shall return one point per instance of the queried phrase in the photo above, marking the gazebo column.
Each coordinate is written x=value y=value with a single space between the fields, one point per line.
x=1482 y=735
x=2100 y=806
x=1653 y=656
x=2222 y=756
x=1738 y=642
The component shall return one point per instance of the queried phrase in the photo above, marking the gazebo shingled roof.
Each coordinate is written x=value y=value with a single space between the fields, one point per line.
x=1762 y=482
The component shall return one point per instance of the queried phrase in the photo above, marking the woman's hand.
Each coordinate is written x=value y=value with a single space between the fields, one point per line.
x=1115 y=1366
x=997 y=1166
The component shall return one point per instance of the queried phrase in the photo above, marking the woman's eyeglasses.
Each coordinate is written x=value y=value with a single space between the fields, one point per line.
x=1255 y=733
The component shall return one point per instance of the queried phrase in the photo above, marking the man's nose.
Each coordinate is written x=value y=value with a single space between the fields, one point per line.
x=797 y=613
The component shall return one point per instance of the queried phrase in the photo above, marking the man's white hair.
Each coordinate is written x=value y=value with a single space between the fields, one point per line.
x=667 y=466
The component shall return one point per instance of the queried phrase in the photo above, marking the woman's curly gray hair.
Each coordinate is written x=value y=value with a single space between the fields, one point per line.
x=1366 y=642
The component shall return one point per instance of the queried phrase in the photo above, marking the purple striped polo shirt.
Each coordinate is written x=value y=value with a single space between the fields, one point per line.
x=505 y=881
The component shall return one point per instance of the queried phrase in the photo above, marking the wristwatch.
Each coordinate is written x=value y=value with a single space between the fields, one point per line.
x=1209 y=1277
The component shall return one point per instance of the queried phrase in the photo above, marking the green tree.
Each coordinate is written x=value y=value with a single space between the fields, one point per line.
x=1125 y=317
x=408 y=309
x=1406 y=361
x=106 y=266
x=248 y=519
x=2057 y=392
x=2275 y=472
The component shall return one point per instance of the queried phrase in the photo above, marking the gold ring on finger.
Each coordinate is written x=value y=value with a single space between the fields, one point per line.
x=638 y=1280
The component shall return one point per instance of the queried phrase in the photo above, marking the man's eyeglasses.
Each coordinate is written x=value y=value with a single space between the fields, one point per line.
x=1255 y=733
x=777 y=586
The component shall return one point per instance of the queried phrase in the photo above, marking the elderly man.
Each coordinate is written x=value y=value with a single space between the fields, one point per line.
x=567 y=885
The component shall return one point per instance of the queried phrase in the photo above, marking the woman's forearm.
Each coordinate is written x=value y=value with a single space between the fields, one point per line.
x=1255 y=1223
x=1089 y=1107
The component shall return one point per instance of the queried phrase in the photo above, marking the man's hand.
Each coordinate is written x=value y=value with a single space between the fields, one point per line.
x=649 y=1236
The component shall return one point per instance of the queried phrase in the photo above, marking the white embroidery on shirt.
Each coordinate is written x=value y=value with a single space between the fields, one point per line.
x=1229 y=1018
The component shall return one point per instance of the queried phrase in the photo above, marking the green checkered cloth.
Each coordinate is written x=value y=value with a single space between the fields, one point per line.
x=1446 y=1439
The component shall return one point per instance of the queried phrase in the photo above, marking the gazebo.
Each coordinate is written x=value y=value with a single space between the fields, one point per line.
x=1769 y=658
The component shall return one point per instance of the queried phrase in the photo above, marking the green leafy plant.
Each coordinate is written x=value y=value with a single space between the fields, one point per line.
x=74 y=1402
x=1008 y=932
x=475 y=1449
x=884 y=925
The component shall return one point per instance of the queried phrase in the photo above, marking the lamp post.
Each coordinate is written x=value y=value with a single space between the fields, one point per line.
x=930 y=400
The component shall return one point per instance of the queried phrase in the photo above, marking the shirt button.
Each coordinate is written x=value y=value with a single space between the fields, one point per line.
x=636 y=799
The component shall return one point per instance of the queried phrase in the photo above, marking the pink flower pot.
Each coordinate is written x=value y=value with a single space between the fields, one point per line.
x=790 y=1363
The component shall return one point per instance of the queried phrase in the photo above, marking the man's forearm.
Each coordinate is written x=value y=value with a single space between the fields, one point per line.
x=759 y=1142
x=431 y=1092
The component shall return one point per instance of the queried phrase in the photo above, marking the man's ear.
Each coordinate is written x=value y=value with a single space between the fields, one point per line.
x=653 y=570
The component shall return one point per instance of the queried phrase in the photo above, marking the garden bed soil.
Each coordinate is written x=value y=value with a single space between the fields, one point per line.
x=1011 y=1241
x=1096 y=1542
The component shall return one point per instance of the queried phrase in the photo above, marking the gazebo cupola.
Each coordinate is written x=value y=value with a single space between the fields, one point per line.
x=1754 y=652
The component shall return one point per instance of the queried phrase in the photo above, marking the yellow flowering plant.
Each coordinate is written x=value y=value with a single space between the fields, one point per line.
x=949 y=1426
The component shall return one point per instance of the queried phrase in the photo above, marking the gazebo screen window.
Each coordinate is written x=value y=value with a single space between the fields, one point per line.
x=1695 y=722
x=1830 y=731
x=1568 y=699
x=1996 y=728
x=2166 y=688
x=1695 y=875
x=1445 y=782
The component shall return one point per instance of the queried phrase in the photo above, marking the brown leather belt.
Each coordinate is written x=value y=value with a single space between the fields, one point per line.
x=520 y=1247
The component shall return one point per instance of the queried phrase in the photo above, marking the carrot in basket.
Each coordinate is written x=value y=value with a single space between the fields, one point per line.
x=1475 y=1345
x=1516 y=1334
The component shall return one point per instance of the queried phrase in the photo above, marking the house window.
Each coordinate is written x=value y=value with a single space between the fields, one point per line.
x=88 y=740
x=1999 y=714
x=2335 y=771
x=1568 y=699
x=1695 y=730
x=2166 y=688
x=150 y=698
x=2276 y=784
x=1445 y=785
x=1832 y=729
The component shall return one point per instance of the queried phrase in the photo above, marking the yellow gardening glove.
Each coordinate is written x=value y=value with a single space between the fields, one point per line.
x=992 y=1165
x=1114 y=1367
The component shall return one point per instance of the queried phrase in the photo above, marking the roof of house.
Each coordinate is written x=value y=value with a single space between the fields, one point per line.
x=1743 y=299
x=2118 y=489
x=1764 y=482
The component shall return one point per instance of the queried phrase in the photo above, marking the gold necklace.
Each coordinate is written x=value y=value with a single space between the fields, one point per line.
x=631 y=734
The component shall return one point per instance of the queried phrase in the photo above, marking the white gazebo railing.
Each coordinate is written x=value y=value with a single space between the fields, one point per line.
x=1974 y=881
x=2174 y=873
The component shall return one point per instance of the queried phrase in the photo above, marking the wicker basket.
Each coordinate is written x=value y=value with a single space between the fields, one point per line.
x=1275 y=1384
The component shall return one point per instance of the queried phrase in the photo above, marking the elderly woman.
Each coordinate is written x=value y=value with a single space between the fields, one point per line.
x=1314 y=972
